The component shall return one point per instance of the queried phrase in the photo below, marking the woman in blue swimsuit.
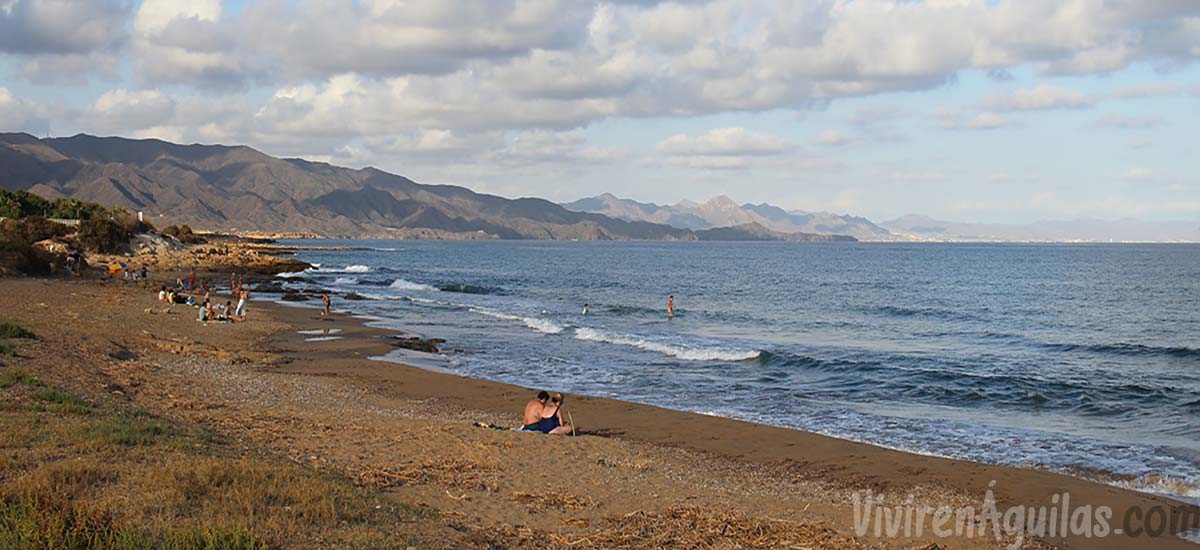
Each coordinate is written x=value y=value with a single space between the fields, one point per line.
x=551 y=422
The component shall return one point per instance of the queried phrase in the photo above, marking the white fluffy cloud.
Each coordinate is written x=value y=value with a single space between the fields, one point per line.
x=1040 y=98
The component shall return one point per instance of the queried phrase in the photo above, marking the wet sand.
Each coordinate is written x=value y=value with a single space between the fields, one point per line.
x=409 y=432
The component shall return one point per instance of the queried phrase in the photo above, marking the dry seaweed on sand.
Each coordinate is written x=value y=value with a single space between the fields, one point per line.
x=551 y=499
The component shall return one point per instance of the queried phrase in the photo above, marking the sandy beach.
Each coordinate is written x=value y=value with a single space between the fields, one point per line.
x=636 y=477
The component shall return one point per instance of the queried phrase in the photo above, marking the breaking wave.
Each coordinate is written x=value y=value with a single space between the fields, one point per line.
x=682 y=351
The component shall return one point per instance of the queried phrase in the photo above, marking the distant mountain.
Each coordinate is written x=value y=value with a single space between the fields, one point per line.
x=1124 y=230
x=756 y=232
x=724 y=212
x=235 y=188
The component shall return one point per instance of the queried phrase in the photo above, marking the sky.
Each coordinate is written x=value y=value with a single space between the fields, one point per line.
x=966 y=110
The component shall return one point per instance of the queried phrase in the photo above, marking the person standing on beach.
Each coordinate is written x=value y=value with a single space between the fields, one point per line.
x=191 y=281
x=325 y=298
x=671 y=306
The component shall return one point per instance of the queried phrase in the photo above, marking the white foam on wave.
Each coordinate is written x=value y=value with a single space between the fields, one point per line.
x=1192 y=536
x=291 y=274
x=316 y=268
x=541 y=325
x=345 y=281
x=356 y=269
x=1159 y=484
x=405 y=284
x=323 y=339
x=687 y=353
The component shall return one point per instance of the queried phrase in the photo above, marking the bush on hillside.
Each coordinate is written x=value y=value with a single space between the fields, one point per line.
x=23 y=204
x=31 y=230
x=103 y=235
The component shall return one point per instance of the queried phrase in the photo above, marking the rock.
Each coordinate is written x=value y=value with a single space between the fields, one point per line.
x=418 y=344
x=353 y=296
x=294 y=297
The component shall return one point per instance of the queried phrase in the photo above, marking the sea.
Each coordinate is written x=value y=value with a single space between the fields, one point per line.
x=1077 y=358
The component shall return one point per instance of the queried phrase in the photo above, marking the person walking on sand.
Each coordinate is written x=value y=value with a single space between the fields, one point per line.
x=551 y=421
x=533 y=412
x=671 y=307
x=325 y=298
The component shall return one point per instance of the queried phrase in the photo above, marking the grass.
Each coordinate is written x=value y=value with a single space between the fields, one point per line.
x=10 y=329
x=16 y=377
x=93 y=475
x=62 y=402
x=7 y=350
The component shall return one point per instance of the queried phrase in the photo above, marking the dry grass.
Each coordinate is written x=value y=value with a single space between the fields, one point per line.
x=680 y=527
x=550 y=499
x=81 y=475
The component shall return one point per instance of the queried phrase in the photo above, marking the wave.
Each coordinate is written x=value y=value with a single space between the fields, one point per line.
x=902 y=311
x=681 y=351
x=461 y=288
x=1127 y=349
x=345 y=281
x=316 y=268
x=541 y=325
x=404 y=284
x=356 y=269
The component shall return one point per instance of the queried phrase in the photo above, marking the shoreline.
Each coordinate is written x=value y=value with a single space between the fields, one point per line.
x=857 y=463
x=1144 y=484
x=630 y=459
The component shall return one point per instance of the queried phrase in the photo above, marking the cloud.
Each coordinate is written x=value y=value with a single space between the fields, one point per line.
x=1040 y=98
x=1137 y=91
x=16 y=113
x=988 y=121
x=736 y=142
x=833 y=138
x=1129 y=122
x=61 y=27
x=720 y=149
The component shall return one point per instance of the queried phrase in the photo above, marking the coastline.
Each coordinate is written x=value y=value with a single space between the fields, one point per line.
x=809 y=478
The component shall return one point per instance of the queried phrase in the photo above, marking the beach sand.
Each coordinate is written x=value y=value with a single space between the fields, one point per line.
x=638 y=477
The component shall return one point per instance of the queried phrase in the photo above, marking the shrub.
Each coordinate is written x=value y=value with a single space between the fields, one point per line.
x=13 y=377
x=9 y=329
x=31 y=229
x=103 y=235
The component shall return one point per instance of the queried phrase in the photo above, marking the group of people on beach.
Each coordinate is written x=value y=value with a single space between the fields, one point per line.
x=544 y=414
x=198 y=294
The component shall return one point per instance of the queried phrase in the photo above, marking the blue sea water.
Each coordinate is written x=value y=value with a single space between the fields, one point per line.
x=1082 y=359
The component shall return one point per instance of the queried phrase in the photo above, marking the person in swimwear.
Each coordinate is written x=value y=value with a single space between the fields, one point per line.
x=533 y=412
x=670 y=306
x=551 y=421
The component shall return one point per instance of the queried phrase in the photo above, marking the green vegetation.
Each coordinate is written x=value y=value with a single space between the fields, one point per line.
x=11 y=329
x=79 y=475
x=15 y=377
x=23 y=204
x=7 y=350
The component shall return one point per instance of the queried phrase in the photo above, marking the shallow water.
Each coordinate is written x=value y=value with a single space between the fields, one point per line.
x=1077 y=358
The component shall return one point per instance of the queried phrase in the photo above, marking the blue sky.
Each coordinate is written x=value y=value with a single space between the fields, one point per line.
x=967 y=110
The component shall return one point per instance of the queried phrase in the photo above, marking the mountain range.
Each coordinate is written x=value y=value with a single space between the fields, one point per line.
x=237 y=188
x=722 y=211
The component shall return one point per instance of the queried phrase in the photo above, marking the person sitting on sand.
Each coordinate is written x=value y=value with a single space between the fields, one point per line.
x=551 y=421
x=203 y=315
x=162 y=293
x=533 y=412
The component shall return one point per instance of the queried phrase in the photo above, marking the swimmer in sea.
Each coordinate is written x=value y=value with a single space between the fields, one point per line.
x=670 y=307
x=585 y=309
